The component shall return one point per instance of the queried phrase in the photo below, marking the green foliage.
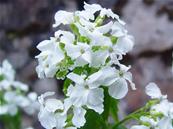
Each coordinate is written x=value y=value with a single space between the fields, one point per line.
x=94 y=121
x=11 y=122
x=67 y=83
x=75 y=29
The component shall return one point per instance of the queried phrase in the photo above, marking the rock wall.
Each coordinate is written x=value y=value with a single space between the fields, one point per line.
x=24 y=23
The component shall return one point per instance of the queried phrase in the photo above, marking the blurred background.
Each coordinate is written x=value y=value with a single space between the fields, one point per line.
x=24 y=23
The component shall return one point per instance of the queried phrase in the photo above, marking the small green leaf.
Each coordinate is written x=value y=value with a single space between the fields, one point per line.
x=61 y=74
x=84 y=39
x=67 y=83
x=114 y=39
x=75 y=29
x=94 y=121
x=1 y=77
x=62 y=45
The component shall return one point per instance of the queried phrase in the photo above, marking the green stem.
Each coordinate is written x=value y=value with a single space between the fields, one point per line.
x=129 y=117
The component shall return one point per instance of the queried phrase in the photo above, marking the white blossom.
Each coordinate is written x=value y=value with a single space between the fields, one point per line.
x=53 y=112
x=86 y=91
x=49 y=58
x=14 y=93
x=63 y=17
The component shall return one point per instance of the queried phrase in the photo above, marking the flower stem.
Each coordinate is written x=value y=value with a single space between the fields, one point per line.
x=130 y=116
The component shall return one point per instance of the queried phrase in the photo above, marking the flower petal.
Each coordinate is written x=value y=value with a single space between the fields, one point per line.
x=119 y=89
x=79 y=117
x=95 y=100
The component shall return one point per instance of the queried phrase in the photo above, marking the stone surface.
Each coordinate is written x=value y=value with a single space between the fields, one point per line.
x=23 y=24
x=43 y=85
x=151 y=32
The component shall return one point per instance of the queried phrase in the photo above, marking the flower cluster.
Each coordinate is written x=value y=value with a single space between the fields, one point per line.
x=13 y=94
x=88 y=57
x=160 y=113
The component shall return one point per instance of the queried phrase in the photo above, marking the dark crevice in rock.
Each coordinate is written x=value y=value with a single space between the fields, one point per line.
x=4 y=1
x=166 y=55
x=166 y=9
x=149 y=2
x=127 y=60
x=118 y=6
x=80 y=4
x=34 y=28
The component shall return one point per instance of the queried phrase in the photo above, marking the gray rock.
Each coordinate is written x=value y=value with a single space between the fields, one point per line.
x=44 y=85
x=18 y=59
x=151 y=32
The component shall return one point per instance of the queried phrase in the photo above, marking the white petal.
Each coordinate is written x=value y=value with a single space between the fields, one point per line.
x=87 y=56
x=63 y=17
x=128 y=77
x=92 y=8
x=7 y=70
x=32 y=96
x=73 y=51
x=139 y=127
x=165 y=123
x=60 y=120
x=53 y=104
x=125 y=44
x=76 y=78
x=109 y=76
x=119 y=89
x=45 y=45
x=79 y=117
x=118 y=30
x=93 y=80
x=20 y=86
x=78 y=95
x=47 y=119
x=99 y=58
x=3 y=109
x=105 y=28
x=153 y=91
x=12 y=109
x=95 y=100
x=43 y=96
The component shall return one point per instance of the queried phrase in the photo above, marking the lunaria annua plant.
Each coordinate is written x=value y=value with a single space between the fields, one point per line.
x=14 y=98
x=87 y=57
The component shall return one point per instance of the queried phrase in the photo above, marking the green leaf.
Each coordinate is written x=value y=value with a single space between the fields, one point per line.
x=61 y=74
x=75 y=29
x=11 y=122
x=106 y=103
x=67 y=83
x=62 y=45
x=114 y=109
x=121 y=127
x=84 y=39
x=94 y=121
x=1 y=77
x=114 y=39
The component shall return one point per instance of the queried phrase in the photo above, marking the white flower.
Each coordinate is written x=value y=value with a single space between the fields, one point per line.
x=7 y=71
x=81 y=53
x=79 y=117
x=53 y=113
x=63 y=17
x=116 y=80
x=163 y=107
x=93 y=8
x=33 y=105
x=49 y=58
x=154 y=92
x=65 y=37
x=86 y=91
